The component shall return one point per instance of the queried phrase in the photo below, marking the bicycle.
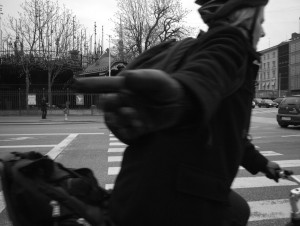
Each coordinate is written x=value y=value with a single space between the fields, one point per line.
x=294 y=197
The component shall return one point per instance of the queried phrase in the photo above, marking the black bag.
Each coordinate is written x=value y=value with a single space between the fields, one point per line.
x=41 y=192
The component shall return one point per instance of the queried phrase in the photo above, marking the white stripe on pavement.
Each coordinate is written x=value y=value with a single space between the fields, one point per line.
x=115 y=158
x=54 y=152
x=288 y=163
x=116 y=149
x=261 y=210
x=113 y=170
x=109 y=186
x=269 y=209
x=117 y=144
x=258 y=182
x=2 y=202
x=47 y=134
x=113 y=138
x=29 y=146
x=269 y=153
x=285 y=163
x=291 y=135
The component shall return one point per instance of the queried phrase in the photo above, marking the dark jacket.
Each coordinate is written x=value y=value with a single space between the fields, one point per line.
x=43 y=105
x=182 y=176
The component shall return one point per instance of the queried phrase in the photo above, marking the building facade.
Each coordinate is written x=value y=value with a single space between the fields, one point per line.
x=283 y=69
x=268 y=74
x=279 y=73
x=294 y=67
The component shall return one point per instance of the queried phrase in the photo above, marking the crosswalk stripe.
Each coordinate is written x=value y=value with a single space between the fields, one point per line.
x=116 y=149
x=285 y=163
x=116 y=144
x=113 y=170
x=269 y=209
x=109 y=186
x=269 y=153
x=256 y=182
x=115 y=158
x=260 y=210
x=2 y=202
x=29 y=146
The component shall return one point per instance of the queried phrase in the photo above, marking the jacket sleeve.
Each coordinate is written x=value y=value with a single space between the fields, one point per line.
x=253 y=160
x=213 y=68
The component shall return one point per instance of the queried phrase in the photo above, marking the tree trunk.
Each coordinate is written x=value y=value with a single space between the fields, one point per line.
x=49 y=89
x=27 y=87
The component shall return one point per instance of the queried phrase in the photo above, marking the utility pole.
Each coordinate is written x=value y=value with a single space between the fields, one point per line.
x=102 y=47
x=95 y=44
x=109 y=71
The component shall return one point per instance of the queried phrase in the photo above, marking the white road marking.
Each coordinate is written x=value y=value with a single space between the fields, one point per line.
x=48 y=134
x=261 y=210
x=258 y=182
x=109 y=186
x=113 y=138
x=115 y=158
x=2 y=202
x=269 y=209
x=18 y=138
x=291 y=135
x=29 y=146
x=116 y=149
x=269 y=153
x=54 y=152
x=113 y=170
x=288 y=163
x=117 y=144
x=285 y=163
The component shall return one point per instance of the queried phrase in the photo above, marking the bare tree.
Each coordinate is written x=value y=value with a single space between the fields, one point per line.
x=145 y=23
x=49 y=36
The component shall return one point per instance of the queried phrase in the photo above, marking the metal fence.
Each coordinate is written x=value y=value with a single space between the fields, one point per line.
x=15 y=101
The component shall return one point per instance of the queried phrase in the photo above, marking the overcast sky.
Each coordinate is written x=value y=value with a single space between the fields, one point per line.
x=282 y=16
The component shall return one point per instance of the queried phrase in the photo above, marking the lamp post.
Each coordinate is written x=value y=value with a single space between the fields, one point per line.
x=279 y=85
x=109 y=71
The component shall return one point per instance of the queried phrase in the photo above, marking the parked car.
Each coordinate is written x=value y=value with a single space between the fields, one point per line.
x=267 y=103
x=257 y=100
x=278 y=100
x=253 y=104
x=289 y=111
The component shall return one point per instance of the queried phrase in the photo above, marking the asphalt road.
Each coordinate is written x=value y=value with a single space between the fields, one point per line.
x=90 y=144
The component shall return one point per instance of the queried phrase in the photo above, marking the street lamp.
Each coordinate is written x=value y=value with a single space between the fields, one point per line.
x=279 y=84
x=109 y=72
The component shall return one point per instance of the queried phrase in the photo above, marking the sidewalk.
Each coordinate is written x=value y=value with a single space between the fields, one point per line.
x=51 y=119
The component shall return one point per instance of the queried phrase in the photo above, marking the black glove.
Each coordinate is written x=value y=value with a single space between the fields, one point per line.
x=150 y=101
x=272 y=170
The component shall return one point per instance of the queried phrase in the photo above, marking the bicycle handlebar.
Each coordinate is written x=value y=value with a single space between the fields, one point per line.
x=288 y=175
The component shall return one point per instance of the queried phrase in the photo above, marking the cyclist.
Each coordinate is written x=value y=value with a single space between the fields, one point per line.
x=178 y=168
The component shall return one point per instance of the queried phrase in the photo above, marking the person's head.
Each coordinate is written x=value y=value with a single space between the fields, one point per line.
x=245 y=14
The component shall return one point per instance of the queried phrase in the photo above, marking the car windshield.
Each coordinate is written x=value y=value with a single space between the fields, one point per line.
x=268 y=101
x=291 y=100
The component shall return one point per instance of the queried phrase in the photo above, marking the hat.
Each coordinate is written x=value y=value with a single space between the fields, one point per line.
x=217 y=9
